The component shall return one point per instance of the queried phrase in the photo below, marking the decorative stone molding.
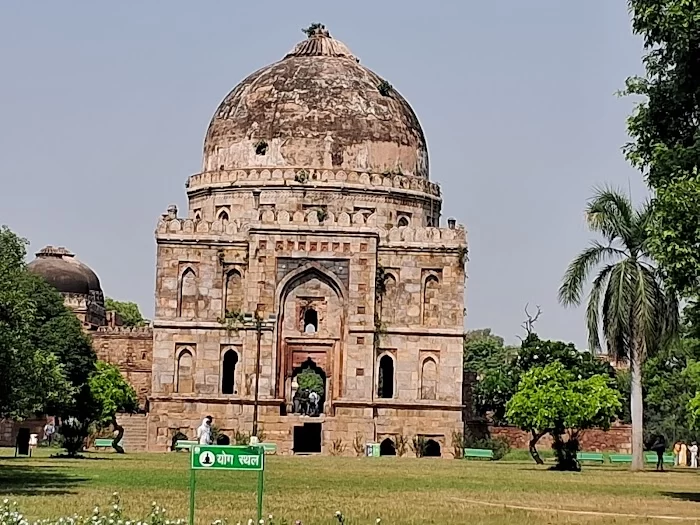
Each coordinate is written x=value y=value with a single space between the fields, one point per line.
x=122 y=330
x=228 y=230
x=316 y=177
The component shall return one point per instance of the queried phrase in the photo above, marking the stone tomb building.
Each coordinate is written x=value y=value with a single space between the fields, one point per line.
x=313 y=229
x=314 y=226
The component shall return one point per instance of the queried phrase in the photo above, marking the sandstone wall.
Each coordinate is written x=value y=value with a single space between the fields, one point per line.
x=617 y=439
x=131 y=350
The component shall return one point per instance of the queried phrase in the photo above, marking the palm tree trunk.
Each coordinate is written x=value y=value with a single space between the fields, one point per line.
x=636 y=407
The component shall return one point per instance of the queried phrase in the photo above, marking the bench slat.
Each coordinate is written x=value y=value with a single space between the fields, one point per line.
x=484 y=453
x=590 y=456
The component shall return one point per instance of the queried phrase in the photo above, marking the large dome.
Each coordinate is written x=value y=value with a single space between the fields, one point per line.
x=63 y=271
x=317 y=108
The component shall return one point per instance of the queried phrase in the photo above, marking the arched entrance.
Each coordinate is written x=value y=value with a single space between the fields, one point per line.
x=387 y=447
x=432 y=449
x=309 y=389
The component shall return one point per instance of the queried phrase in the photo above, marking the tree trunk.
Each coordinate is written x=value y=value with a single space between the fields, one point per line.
x=120 y=434
x=533 y=450
x=636 y=407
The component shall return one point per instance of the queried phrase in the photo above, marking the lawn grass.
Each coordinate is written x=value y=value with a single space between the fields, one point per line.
x=399 y=490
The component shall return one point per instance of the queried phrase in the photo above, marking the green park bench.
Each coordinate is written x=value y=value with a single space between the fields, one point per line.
x=590 y=456
x=478 y=453
x=103 y=443
x=184 y=444
x=620 y=458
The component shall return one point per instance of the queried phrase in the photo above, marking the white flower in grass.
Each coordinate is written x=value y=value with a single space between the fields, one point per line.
x=378 y=521
x=262 y=522
x=250 y=522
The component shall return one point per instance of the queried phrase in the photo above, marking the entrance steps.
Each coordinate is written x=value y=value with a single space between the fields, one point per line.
x=135 y=431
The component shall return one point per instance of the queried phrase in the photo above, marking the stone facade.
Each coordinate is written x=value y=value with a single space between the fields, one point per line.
x=317 y=240
x=131 y=350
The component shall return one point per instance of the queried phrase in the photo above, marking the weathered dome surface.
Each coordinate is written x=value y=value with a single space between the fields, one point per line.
x=316 y=108
x=63 y=271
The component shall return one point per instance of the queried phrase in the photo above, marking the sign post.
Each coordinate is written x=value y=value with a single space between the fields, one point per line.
x=219 y=457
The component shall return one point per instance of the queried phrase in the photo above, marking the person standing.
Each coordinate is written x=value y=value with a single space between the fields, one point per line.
x=676 y=452
x=204 y=431
x=683 y=455
x=659 y=446
x=49 y=431
x=313 y=399
x=693 y=455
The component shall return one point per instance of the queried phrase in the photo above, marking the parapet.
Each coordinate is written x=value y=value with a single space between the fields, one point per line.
x=311 y=178
x=125 y=331
x=310 y=220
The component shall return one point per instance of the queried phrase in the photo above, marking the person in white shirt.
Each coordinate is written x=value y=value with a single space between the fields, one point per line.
x=204 y=431
x=693 y=455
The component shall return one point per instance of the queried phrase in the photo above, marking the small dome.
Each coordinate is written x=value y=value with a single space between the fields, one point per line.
x=63 y=271
x=317 y=108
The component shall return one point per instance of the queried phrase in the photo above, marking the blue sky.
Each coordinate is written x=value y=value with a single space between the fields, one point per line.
x=104 y=106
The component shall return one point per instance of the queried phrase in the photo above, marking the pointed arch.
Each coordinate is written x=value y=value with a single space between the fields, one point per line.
x=431 y=300
x=234 y=292
x=228 y=372
x=389 y=299
x=188 y=294
x=385 y=376
x=185 y=373
x=290 y=281
x=428 y=379
x=222 y=216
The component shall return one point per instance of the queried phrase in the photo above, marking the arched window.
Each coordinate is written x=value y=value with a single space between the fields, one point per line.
x=198 y=215
x=387 y=447
x=188 y=294
x=310 y=321
x=234 y=291
x=432 y=449
x=185 y=376
x=431 y=300
x=428 y=379
x=385 y=379
x=223 y=216
x=228 y=372
x=389 y=299
x=403 y=221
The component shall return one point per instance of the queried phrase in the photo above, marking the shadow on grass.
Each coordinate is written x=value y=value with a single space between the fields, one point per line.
x=36 y=481
x=685 y=496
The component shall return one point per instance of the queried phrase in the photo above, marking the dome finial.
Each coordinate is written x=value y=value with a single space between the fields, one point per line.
x=316 y=29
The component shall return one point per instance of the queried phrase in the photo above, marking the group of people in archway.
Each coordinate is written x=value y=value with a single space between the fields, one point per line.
x=306 y=402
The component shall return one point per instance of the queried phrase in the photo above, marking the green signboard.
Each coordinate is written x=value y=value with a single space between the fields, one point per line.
x=219 y=457
x=216 y=457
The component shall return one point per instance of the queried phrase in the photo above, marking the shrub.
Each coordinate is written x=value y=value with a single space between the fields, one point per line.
x=499 y=446
x=337 y=447
x=73 y=433
x=459 y=443
x=240 y=438
x=401 y=445
x=358 y=445
x=418 y=445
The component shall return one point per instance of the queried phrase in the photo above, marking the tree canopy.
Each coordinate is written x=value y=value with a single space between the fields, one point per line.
x=551 y=399
x=665 y=133
x=128 y=311
x=46 y=358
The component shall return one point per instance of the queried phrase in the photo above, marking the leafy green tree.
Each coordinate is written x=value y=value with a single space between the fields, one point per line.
x=551 y=399
x=628 y=298
x=664 y=129
x=310 y=380
x=32 y=377
x=128 y=311
x=486 y=356
x=111 y=394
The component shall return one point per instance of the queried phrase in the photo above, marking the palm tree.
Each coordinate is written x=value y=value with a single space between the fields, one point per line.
x=628 y=297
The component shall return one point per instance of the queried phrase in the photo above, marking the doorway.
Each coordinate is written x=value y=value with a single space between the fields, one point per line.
x=307 y=438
